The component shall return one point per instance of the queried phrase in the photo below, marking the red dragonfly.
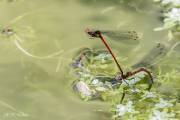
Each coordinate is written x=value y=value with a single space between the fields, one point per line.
x=122 y=76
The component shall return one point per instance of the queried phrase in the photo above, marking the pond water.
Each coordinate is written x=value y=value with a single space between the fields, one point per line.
x=40 y=89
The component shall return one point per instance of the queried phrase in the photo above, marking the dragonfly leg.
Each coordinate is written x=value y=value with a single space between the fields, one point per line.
x=142 y=69
x=122 y=98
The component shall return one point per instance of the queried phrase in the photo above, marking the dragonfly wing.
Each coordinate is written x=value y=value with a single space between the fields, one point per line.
x=127 y=37
x=154 y=56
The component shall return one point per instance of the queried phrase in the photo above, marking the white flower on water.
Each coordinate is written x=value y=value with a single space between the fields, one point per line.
x=130 y=107
x=148 y=94
x=172 y=19
x=135 y=90
x=162 y=115
x=95 y=81
x=163 y=103
x=123 y=109
x=173 y=2
x=173 y=15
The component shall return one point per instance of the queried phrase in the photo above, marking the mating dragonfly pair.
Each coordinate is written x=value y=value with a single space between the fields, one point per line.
x=93 y=84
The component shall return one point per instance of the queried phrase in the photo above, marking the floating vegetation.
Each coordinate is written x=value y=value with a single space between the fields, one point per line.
x=19 y=34
x=129 y=94
x=169 y=3
x=159 y=104
x=150 y=106
x=95 y=85
x=171 y=13
x=98 y=77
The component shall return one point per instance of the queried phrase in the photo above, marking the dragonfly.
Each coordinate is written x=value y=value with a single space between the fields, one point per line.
x=129 y=79
x=121 y=76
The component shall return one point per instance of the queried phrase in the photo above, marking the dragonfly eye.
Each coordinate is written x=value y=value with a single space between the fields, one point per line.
x=94 y=33
x=97 y=33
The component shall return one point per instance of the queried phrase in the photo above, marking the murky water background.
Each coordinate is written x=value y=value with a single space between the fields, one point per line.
x=32 y=89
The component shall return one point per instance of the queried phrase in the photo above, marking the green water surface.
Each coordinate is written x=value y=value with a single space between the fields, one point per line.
x=34 y=89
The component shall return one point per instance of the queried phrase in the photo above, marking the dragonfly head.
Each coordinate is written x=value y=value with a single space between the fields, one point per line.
x=93 y=33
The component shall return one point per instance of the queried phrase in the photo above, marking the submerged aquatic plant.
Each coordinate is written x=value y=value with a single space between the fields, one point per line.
x=18 y=34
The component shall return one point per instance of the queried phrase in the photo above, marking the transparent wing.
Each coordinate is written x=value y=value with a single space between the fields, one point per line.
x=154 y=56
x=127 y=37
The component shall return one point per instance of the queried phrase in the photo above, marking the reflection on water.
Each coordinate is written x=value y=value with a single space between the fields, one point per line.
x=32 y=89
